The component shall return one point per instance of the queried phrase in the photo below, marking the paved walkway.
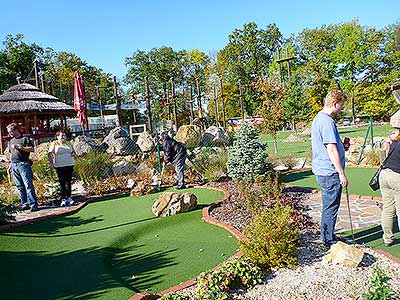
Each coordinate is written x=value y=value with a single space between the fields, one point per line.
x=364 y=212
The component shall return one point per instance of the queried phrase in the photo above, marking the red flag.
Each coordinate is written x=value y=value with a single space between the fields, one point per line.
x=79 y=98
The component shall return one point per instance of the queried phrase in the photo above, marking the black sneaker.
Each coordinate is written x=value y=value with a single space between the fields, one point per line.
x=26 y=207
x=181 y=187
x=34 y=208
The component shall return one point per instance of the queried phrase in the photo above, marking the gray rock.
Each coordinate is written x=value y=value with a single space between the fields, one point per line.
x=123 y=167
x=170 y=203
x=215 y=136
x=145 y=142
x=84 y=144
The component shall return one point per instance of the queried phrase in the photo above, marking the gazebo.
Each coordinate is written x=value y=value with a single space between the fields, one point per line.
x=31 y=109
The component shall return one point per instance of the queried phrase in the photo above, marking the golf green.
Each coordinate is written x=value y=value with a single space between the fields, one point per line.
x=372 y=237
x=358 y=180
x=111 y=250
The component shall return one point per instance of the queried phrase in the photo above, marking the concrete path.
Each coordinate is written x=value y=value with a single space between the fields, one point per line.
x=364 y=211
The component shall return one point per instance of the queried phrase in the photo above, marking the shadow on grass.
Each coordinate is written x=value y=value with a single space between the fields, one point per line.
x=57 y=224
x=372 y=237
x=81 y=274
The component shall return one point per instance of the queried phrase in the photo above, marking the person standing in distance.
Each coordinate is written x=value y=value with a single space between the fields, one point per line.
x=61 y=158
x=328 y=162
x=175 y=153
x=20 y=167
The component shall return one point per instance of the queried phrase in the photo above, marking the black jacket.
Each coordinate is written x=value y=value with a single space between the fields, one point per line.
x=173 y=150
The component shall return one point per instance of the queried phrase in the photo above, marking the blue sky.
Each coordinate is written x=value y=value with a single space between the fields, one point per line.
x=105 y=32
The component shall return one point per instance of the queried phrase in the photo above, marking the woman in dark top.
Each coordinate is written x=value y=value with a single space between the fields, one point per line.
x=389 y=181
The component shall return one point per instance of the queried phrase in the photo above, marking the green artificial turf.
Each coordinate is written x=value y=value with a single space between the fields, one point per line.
x=372 y=237
x=303 y=148
x=358 y=180
x=110 y=250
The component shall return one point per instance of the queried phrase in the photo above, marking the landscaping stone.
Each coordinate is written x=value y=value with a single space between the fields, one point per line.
x=189 y=135
x=119 y=142
x=123 y=167
x=342 y=253
x=171 y=203
x=215 y=136
x=84 y=144
x=145 y=142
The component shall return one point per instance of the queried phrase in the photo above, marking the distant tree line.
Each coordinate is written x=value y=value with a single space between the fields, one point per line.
x=259 y=71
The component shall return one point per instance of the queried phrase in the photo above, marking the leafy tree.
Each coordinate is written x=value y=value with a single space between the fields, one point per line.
x=296 y=105
x=247 y=56
x=272 y=93
x=313 y=48
x=357 y=56
x=16 y=60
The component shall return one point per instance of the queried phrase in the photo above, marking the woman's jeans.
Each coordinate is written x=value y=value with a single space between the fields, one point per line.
x=65 y=177
x=22 y=173
x=389 y=182
x=331 y=193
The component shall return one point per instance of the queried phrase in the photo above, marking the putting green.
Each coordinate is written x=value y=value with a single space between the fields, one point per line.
x=110 y=250
x=358 y=180
x=372 y=237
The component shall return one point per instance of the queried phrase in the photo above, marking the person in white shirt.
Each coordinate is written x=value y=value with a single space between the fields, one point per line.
x=61 y=157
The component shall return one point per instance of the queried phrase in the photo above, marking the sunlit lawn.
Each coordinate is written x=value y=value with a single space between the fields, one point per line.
x=303 y=148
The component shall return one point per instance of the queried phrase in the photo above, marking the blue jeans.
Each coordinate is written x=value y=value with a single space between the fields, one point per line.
x=179 y=164
x=331 y=193
x=22 y=173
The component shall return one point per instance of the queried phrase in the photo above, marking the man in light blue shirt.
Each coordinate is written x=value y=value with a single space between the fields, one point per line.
x=328 y=162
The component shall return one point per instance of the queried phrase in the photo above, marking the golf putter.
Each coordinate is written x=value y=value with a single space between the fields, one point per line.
x=10 y=184
x=348 y=209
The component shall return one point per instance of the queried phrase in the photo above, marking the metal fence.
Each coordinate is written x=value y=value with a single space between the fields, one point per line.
x=119 y=160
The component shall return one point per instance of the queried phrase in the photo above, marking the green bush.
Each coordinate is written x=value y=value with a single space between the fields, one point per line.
x=272 y=239
x=174 y=296
x=213 y=284
x=6 y=211
x=247 y=156
x=379 y=288
x=211 y=163
x=93 y=166
x=42 y=171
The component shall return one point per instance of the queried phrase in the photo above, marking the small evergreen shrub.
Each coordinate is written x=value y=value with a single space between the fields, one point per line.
x=213 y=284
x=247 y=156
x=379 y=288
x=272 y=239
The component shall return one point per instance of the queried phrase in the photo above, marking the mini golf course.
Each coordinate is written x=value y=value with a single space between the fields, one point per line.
x=110 y=249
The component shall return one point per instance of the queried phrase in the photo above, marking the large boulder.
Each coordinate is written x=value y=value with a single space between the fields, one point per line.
x=84 y=144
x=119 y=142
x=215 y=136
x=145 y=142
x=189 y=135
x=341 y=253
x=171 y=203
x=123 y=167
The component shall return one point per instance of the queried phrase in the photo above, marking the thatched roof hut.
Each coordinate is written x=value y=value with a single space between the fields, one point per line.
x=28 y=99
x=31 y=109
